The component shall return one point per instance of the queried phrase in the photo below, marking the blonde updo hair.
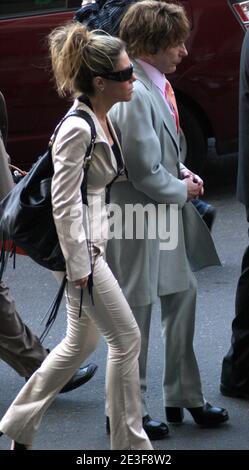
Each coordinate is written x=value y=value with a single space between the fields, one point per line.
x=78 y=55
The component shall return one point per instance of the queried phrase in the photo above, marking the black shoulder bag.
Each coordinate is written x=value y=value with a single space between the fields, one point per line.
x=26 y=216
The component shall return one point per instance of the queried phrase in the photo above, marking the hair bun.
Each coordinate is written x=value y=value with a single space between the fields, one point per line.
x=81 y=34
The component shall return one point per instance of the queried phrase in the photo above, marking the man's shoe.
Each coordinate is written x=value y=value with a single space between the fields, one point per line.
x=80 y=377
x=154 y=429
x=209 y=416
x=233 y=393
x=206 y=416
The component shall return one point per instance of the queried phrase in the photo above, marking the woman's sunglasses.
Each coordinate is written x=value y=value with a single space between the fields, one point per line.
x=121 y=76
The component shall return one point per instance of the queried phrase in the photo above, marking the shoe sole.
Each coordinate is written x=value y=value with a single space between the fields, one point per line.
x=211 y=425
x=156 y=437
x=214 y=425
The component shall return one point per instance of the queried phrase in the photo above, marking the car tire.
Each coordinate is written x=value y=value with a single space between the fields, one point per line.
x=193 y=140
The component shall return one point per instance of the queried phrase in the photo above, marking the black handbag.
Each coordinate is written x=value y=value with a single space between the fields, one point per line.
x=26 y=217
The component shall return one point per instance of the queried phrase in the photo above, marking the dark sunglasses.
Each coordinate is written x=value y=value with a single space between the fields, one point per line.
x=121 y=76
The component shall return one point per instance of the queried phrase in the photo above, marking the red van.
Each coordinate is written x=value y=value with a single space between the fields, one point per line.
x=206 y=83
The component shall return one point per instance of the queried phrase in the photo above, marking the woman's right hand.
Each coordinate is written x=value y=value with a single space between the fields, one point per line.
x=81 y=282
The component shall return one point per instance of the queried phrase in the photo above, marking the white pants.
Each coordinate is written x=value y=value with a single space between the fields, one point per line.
x=112 y=316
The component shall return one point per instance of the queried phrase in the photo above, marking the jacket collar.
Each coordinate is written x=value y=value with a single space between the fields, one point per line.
x=100 y=137
x=100 y=134
x=167 y=118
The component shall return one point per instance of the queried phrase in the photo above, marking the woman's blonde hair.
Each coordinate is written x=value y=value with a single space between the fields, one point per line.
x=150 y=25
x=78 y=55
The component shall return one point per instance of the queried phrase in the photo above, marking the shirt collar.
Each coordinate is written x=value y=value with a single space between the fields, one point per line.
x=154 y=74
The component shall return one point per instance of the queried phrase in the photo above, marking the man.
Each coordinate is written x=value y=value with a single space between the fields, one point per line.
x=19 y=347
x=148 y=128
x=235 y=367
x=107 y=15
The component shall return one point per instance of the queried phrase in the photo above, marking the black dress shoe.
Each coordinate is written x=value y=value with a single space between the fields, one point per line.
x=80 y=377
x=154 y=429
x=206 y=416
x=234 y=393
x=174 y=415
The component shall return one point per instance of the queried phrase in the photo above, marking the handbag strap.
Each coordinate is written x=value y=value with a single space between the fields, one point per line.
x=88 y=156
x=54 y=307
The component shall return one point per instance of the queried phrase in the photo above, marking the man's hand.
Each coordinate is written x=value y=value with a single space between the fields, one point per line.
x=187 y=174
x=193 y=189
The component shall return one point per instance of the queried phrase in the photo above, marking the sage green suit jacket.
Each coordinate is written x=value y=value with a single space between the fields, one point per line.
x=150 y=145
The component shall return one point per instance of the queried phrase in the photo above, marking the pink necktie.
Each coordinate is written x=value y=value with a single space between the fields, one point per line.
x=170 y=97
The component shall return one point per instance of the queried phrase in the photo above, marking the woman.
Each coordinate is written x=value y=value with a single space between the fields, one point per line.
x=96 y=69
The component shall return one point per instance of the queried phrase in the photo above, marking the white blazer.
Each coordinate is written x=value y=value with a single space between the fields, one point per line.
x=77 y=226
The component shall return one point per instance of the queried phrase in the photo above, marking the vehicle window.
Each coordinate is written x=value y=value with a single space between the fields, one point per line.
x=10 y=8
